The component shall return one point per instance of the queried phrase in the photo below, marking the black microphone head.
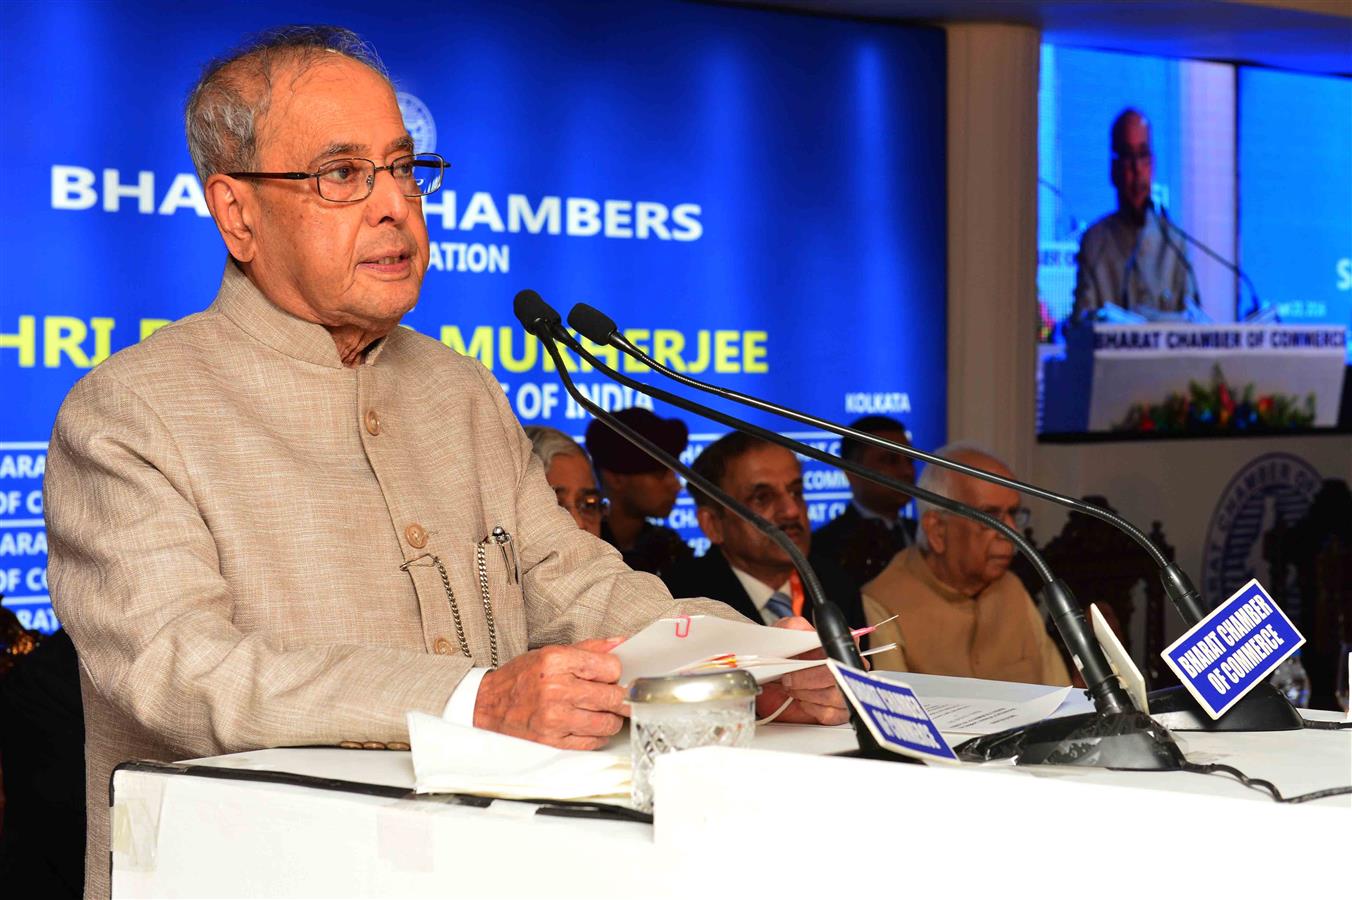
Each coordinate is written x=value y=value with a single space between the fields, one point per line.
x=592 y=324
x=534 y=313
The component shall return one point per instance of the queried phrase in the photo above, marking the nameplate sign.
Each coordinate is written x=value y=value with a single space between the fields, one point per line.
x=1234 y=649
x=1220 y=339
x=893 y=714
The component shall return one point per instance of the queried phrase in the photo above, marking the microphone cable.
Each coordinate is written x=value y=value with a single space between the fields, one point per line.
x=1315 y=725
x=1262 y=784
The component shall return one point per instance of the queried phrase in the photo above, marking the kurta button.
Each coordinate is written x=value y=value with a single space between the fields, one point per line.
x=350 y=745
x=441 y=647
x=373 y=421
x=397 y=745
x=373 y=745
x=416 y=536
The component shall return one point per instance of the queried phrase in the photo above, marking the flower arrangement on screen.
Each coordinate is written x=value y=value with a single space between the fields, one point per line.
x=1218 y=407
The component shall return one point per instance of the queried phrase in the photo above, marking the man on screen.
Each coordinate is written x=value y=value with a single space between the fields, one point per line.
x=1129 y=259
x=284 y=520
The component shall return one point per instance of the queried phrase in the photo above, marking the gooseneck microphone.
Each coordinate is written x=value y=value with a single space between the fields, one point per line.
x=541 y=320
x=1189 y=271
x=1103 y=685
x=1263 y=709
x=1124 y=296
x=1117 y=734
x=1243 y=276
x=600 y=329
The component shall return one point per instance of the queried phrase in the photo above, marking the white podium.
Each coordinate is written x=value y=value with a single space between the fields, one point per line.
x=1109 y=368
x=779 y=818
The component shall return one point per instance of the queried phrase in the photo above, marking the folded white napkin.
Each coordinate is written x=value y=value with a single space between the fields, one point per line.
x=450 y=758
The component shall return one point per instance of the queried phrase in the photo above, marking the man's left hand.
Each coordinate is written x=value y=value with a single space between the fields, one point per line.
x=816 y=699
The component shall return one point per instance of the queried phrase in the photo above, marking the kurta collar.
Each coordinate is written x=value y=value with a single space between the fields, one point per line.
x=916 y=565
x=240 y=300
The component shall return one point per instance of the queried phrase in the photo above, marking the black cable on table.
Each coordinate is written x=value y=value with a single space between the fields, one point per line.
x=1263 y=784
x=1326 y=726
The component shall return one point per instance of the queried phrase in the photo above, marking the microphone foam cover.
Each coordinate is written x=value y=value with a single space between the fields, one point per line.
x=591 y=323
x=531 y=310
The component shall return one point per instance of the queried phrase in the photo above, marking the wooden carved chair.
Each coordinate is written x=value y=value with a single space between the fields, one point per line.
x=1310 y=562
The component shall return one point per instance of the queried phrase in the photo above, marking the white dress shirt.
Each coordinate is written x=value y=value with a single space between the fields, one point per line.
x=760 y=593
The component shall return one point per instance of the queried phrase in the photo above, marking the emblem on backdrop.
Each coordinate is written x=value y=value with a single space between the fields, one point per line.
x=1272 y=489
x=418 y=120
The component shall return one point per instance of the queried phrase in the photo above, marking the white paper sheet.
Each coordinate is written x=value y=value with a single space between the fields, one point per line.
x=669 y=645
x=977 y=706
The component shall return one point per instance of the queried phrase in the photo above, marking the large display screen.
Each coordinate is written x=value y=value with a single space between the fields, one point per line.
x=1194 y=228
x=757 y=195
x=1295 y=193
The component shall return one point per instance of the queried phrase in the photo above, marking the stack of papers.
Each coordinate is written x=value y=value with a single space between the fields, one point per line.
x=697 y=644
x=450 y=758
x=977 y=706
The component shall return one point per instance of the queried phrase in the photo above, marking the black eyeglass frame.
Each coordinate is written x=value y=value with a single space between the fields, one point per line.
x=441 y=165
x=1021 y=516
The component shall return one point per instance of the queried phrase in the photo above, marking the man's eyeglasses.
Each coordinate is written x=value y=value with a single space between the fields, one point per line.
x=1021 y=516
x=352 y=180
x=589 y=506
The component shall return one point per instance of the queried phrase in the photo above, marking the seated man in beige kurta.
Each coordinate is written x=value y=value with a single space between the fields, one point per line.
x=959 y=610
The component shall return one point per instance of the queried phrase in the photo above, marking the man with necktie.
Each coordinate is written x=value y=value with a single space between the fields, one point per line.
x=744 y=568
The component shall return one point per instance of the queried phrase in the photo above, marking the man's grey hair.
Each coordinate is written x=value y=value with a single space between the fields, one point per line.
x=231 y=99
x=938 y=480
x=550 y=442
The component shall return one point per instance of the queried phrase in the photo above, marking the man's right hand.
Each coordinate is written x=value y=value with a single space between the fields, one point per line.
x=564 y=696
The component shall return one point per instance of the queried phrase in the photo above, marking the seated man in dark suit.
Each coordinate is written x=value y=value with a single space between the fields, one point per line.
x=744 y=568
x=863 y=539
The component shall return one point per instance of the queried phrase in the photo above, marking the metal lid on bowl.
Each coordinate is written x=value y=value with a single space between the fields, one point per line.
x=733 y=685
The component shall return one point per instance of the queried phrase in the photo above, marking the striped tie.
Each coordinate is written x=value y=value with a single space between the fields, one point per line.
x=780 y=604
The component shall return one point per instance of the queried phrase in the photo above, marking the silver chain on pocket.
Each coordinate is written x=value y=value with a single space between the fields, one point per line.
x=482 y=565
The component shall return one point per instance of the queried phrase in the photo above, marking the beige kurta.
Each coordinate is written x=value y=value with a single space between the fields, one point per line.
x=938 y=631
x=229 y=508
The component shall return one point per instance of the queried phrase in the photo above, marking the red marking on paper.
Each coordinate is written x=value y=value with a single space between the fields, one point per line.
x=682 y=626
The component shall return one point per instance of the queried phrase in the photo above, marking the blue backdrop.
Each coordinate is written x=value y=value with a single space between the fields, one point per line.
x=1295 y=193
x=760 y=194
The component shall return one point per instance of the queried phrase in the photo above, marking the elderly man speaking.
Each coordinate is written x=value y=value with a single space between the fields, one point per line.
x=285 y=521
x=958 y=609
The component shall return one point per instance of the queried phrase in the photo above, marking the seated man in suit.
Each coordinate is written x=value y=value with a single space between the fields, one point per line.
x=744 y=568
x=864 y=538
x=958 y=609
